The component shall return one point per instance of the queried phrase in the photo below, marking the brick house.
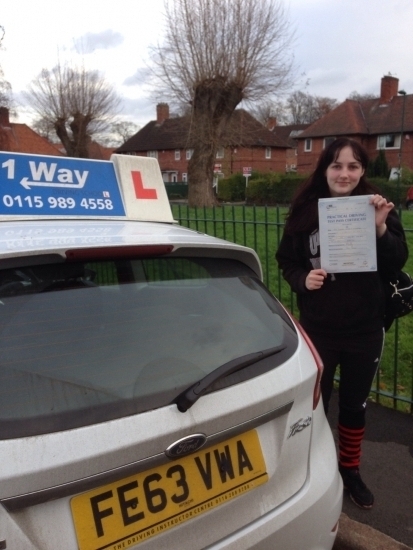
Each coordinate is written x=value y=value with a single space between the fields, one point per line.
x=289 y=134
x=383 y=123
x=246 y=143
x=100 y=152
x=96 y=151
x=19 y=138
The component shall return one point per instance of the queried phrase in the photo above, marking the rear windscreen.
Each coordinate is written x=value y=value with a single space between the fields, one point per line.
x=86 y=342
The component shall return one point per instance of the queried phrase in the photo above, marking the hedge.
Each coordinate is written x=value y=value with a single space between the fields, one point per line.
x=273 y=189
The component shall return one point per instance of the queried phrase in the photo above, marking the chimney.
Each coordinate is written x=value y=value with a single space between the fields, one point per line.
x=271 y=123
x=389 y=88
x=4 y=117
x=162 y=112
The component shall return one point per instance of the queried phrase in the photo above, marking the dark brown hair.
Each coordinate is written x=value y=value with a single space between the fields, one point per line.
x=303 y=213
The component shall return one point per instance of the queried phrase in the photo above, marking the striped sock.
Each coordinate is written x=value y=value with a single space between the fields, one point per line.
x=349 y=445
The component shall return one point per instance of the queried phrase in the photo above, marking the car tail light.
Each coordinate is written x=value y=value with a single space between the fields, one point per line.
x=318 y=362
x=106 y=252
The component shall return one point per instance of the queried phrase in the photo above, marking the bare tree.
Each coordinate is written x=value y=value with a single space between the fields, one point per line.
x=361 y=97
x=5 y=98
x=77 y=102
x=297 y=105
x=269 y=110
x=117 y=133
x=305 y=108
x=123 y=130
x=5 y=86
x=45 y=128
x=216 y=54
x=322 y=106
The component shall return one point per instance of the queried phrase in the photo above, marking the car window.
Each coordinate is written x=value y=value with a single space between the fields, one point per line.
x=85 y=342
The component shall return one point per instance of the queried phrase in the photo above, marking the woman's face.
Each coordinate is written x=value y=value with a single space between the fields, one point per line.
x=344 y=173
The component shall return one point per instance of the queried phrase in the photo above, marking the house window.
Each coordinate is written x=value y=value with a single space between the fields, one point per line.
x=184 y=176
x=220 y=153
x=268 y=152
x=177 y=154
x=328 y=141
x=308 y=144
x=189 y=153
x=388 y=141
x=153 y=154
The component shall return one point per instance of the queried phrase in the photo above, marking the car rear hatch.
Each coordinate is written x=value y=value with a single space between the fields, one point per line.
x=107 y=439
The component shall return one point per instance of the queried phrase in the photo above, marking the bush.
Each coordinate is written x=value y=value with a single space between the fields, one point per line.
x=264 y=188
x=232 y=189
x=379 y=167
x=393 y=190
x=260 y=191
x=273 y=189
x=407 y=176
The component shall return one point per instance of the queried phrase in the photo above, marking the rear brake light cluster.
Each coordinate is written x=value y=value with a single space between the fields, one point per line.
x=318 y=362
x=105 y=252
x=317 y=359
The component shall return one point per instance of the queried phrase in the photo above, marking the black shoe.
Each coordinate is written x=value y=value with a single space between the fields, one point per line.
x=359 y=493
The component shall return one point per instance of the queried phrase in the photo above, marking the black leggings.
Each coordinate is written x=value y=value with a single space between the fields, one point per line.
x=359 y=358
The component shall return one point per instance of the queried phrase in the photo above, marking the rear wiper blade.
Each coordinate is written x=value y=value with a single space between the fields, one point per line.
x=188 y=397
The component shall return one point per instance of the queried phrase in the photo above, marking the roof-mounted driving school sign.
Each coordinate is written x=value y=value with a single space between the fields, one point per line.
x=126 y=187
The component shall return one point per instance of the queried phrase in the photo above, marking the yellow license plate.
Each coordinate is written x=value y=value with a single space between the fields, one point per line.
x=130 y=511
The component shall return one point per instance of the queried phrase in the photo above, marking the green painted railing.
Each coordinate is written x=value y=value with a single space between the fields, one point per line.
x=261 y=228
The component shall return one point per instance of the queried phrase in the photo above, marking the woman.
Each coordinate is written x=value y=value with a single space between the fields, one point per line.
x=343 y=313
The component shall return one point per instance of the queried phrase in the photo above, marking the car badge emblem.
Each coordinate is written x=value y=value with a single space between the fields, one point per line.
x=186 y=445
x=299 y=426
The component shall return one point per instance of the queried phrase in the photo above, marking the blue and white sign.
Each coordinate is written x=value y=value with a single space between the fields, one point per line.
x=35 y=185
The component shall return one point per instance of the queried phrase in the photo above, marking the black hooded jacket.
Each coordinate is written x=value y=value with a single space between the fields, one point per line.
x=347 y=303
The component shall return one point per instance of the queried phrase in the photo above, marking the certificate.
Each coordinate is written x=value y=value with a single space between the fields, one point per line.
x=347 y=234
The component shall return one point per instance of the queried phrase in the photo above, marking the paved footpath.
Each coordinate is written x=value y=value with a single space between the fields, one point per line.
x=353 y=535
x=387 y=469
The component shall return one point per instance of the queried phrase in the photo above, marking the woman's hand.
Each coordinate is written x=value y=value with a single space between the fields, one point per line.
x=315 y=279
x=382 y=208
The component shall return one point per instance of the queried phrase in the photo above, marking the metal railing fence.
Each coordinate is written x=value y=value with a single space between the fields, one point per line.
x=260 y=228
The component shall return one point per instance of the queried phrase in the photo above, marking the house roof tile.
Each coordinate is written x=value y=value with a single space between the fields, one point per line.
x=99 y=152
x=175 y=133
x=289 y=132
x=19 y=138
x=371 y=117
x=345 y=119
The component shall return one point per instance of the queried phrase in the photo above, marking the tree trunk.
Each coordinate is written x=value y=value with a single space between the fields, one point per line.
x=200 y=177
x=61 y=132
x=78 y=144
x=213 y=104
x=81 y=139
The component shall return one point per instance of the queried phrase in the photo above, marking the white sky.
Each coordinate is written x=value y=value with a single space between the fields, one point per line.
x=341 y=46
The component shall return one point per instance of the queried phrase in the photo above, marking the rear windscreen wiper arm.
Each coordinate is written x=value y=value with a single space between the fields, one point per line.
x=188 y=397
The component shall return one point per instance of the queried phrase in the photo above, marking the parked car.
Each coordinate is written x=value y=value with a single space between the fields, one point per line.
x=409 y=199
x=153 y=393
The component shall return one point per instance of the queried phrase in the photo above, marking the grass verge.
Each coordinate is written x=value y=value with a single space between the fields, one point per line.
x=261 y=229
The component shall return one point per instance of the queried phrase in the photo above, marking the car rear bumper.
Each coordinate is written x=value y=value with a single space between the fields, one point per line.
x=309 y=519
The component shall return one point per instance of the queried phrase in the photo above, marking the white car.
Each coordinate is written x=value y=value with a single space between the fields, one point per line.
x=153 y=393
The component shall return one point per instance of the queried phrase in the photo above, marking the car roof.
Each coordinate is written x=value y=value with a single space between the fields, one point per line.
x=140 y=213
x=23 y=238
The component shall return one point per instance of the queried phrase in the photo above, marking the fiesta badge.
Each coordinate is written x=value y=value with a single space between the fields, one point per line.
x=186 y=445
